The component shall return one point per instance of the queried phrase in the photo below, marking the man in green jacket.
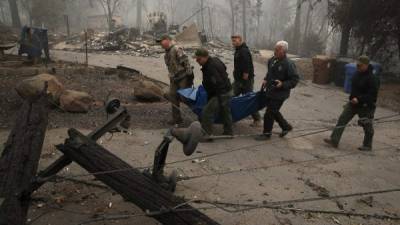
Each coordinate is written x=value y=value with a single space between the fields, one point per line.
x=219 y=92
x=362 y=102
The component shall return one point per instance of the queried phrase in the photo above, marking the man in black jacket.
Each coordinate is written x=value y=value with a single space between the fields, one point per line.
x=282 y=76
x=243 y=72
x=219 y=91
x=362 y=102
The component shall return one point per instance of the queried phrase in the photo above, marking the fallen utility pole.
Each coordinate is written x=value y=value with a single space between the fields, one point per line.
x=130 y=183
x=20 y=159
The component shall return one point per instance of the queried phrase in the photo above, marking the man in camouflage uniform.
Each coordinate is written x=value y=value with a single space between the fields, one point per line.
x=180 y=74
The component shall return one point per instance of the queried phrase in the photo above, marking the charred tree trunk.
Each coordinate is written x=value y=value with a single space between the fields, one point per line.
x=139 y=6
x=308 y=21
x=344 y=41
x=398 y=41
x=130 y=183
x=19 y=161
x=296 y=29
x=16 y=22
x=233 y=18
x=244 y=19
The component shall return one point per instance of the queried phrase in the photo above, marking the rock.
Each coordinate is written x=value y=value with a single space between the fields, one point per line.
x=76 y=101
x=32 y=86
x=148 y=91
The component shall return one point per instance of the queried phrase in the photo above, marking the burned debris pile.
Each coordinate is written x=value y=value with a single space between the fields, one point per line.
x=129 y=41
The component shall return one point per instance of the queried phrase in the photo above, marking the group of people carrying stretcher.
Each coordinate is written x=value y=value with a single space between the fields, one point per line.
x=282 y=76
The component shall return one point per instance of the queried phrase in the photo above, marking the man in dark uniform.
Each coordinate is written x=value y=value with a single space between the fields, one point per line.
x=243 y=73
x=282 y=76
x=219 y=91
x=362 y=102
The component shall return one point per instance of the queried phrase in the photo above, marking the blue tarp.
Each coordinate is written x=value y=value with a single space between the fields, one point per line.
x=241 y=106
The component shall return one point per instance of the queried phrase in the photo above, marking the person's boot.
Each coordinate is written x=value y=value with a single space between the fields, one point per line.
x=263 y=137
x=256 y=123
x=286 y=131
x=365 y=148
x=331 y=143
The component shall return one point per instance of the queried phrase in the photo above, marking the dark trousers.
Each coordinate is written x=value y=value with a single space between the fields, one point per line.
x=347 y=115
x=273 y=114
x=175 y=99
x=217 y=105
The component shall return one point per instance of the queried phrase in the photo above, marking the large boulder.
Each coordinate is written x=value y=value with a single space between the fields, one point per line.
x=148 y=91
x=32 y=86
x=76 y=101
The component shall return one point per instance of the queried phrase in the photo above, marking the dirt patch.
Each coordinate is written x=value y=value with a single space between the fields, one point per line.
x=98 y=82
x=389 y=96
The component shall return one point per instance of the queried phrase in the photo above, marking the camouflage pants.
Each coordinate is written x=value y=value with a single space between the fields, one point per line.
x=174 y=97
x=218 y=105
x=241 y=88
x=347 y=115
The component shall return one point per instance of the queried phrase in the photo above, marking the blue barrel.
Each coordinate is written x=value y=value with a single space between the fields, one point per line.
x=351 y=69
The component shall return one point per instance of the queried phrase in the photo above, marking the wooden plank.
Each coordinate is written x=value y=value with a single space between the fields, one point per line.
x=20 y=158
x=130 y=183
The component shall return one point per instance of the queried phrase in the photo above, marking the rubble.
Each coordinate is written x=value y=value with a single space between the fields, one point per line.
x=189 y=38
x=8 y=35
x=115 y=42
x=127 y=41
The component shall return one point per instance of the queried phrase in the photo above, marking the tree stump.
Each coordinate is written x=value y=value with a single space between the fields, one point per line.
x=20 y=159
x=130 y=183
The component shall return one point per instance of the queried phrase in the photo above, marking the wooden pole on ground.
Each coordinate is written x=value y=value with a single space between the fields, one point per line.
x=130 y=183
x=20 y=159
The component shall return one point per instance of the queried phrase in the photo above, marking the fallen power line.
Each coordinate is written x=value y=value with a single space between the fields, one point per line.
x=318 y=131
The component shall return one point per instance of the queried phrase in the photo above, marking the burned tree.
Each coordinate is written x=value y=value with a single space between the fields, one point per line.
x=48 y=13
x=109 y=7
x=14 y=13
x=374 y=24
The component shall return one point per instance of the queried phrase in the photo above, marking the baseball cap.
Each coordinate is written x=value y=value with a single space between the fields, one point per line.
x=201 y=52
x=363 y=60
